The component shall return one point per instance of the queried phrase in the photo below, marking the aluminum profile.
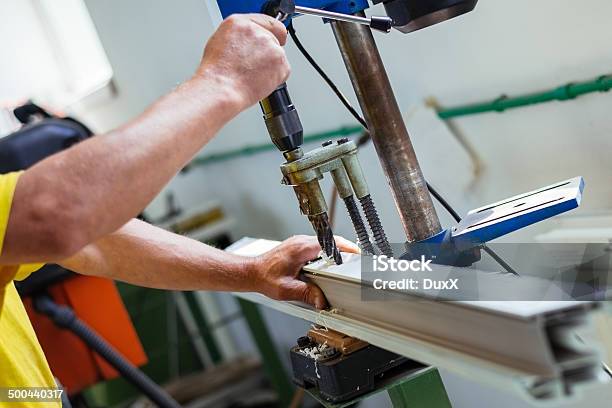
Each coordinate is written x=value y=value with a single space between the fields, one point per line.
x=532 y=345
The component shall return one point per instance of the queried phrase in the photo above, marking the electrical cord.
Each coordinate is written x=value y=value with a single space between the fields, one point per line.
x=365 y=137
x=65 y=318
x=457 y=218
x=323 y=75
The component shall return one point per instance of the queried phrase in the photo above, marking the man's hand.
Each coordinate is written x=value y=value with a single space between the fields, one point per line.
x=277 y=270
x=246 y=53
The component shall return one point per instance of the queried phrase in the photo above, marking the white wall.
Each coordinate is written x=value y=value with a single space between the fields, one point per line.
x=50 y=53
x=23 y=54
x=504 y=46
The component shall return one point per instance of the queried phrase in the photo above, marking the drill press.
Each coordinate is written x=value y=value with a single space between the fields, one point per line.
x=353 y=33
x=304 y=170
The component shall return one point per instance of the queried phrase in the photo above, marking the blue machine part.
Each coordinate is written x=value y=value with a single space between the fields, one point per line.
x=229 y=7
x=495 y=220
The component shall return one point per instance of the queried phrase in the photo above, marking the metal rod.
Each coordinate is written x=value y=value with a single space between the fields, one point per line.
x=389 y=134
x=332 y=15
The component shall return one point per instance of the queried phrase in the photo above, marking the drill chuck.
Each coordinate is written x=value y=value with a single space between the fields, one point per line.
x=282 y=120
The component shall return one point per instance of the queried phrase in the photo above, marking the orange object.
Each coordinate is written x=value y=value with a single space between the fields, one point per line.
x=96 y=301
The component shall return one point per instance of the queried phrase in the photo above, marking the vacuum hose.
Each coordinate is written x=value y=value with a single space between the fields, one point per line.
x=65 y=318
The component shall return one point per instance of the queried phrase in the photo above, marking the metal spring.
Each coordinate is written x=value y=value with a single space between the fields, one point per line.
x=360 y=228
x=375 y=225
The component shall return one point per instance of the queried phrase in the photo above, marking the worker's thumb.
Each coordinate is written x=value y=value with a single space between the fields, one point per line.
x=307 y=293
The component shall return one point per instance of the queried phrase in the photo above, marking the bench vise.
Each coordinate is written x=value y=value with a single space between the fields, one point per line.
x=339 y=368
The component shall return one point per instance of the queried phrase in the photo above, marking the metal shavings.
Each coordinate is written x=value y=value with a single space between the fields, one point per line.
x=318 y=352
x=320 y=323
x=328 y=260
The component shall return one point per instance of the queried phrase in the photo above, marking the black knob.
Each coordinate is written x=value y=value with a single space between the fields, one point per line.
x=384 y=24
x=304 y=341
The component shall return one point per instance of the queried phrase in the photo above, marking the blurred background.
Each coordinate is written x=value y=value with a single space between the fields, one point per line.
x=104 y=62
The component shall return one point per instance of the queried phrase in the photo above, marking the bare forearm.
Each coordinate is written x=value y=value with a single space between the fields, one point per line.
x=145 y=255
x=74 y=198
x=102 y=183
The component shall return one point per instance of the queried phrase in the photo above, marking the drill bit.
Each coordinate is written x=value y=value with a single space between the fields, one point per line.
x=377 y=230
x=320 y=223
x=360 y=228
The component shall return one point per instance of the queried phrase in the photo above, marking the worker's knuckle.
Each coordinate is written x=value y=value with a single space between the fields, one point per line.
x=306 y=294
x=280 y=58
x=261 y=38
x=252 y=29
x=233 y=20
x=229 y=24
x=286 y=70
x=241 y=27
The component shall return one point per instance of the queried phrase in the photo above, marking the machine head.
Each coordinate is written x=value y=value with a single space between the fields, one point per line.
x=413 y=15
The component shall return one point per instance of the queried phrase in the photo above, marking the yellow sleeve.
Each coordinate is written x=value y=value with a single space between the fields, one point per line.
x=8 y=182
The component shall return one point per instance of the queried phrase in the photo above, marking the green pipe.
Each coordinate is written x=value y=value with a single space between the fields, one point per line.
x=562 y=93
x=501 y=104
x=253 y=149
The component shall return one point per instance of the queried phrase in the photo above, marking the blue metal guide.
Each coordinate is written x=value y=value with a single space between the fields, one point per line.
x=503 y=217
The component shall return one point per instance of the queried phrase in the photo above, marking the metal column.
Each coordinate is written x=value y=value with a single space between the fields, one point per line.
x=388 y=130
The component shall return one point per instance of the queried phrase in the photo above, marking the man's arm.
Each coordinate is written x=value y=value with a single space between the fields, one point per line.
x=73 y=198
x=145 y=255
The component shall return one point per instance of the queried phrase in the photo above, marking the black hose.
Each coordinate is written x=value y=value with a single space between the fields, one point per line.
x=65 y=318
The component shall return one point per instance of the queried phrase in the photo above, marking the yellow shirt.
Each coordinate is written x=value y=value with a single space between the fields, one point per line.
x=22 y=362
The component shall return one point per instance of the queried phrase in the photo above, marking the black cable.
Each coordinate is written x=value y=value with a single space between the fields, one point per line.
x=444 y=203
x=499 y=259
x=457 y=218
x=365 y=137
x=64 y=317
x=323 y=75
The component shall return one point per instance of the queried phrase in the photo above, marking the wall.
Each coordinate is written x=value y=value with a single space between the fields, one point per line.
x=504 y=46
x=22 y=44
x=51 y=53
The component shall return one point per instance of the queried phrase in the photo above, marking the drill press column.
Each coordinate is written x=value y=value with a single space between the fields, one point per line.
x=388 y=130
